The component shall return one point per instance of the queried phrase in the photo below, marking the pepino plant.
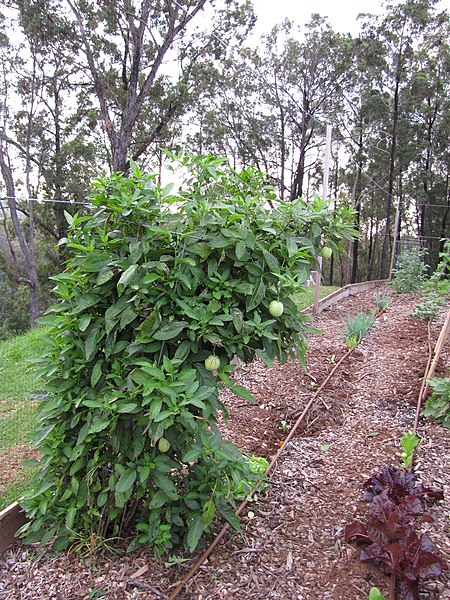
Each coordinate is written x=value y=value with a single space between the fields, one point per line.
x=160 y=292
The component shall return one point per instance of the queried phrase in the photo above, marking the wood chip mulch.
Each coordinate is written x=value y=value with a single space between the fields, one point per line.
x=291 y=544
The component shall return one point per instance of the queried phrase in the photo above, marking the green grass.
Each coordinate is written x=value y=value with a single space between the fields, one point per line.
x=12 y=492
x=305 y=299
x=17 y=407
x=17 y=381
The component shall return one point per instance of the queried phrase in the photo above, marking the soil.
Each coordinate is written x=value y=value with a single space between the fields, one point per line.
x=10 y=464
x=291 y=544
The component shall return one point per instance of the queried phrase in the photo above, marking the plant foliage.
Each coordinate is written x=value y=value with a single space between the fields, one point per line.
x=438 y=404
x=391 y=530
x=357 y=327
x=410 y=271
x=158 y=281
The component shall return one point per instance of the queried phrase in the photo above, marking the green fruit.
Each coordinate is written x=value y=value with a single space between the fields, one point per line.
x=276 y=308
x=163 y=445
x=212 y=363
x=326 y=252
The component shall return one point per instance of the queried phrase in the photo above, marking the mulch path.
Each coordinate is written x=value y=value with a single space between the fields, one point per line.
x=291 y=544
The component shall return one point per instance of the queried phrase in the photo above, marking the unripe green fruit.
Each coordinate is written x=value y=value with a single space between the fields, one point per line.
x=276 y=308
x=326 y=252
x=212 y=363
x=163 y=445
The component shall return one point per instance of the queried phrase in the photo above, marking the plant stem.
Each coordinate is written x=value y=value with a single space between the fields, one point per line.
x=392 y=583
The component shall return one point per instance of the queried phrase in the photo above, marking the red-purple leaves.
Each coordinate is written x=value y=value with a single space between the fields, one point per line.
x=391 y=530
x=398 y=483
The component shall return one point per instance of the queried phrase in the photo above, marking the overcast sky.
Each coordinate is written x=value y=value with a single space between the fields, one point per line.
x=341 y=13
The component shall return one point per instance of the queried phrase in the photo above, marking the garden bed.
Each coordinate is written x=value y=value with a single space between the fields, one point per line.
x=291 y=544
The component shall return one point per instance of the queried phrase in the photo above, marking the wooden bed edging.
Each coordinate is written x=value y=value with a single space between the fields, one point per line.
x=11 y=519
x=348 y=290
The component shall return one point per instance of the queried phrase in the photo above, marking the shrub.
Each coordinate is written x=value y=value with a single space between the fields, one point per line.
x=14 y=310
x=410 y=271
x=438 y=404
x=157 y=284
x=428 y=308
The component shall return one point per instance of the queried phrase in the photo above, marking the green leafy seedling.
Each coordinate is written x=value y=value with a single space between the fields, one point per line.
x=375 y=594
x=409 y=442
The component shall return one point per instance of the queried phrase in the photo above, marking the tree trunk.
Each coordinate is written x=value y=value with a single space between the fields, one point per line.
x=387 y=240
x=28 y=249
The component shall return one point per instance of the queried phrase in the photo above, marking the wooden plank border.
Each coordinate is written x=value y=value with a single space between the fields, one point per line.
x=11 y=519
x=349 y=290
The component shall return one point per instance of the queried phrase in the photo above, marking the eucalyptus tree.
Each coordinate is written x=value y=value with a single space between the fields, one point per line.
x=144 y=60
x=274 y=102
x=399 y=32
x=429 y=110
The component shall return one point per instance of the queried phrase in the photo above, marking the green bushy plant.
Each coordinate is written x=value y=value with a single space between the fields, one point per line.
x=410 y=271
x=439 y=282
x=437 y=405
x=159 y=283
x=14 y=309
x=428 y=308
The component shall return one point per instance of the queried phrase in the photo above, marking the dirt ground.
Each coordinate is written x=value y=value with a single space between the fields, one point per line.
x=291 y=545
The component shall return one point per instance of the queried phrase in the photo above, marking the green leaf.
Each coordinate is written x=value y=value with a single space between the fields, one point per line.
x=229 y=515
x=151 y=277
x=127 y=408
x=84 y=321
x=266 y=359
x=43 y=433
x=195 y=532
x=90 y=345
x=170 y=331
x=242 y=392
x=127 y=276
x=70 y=517
x=191 y=455
x=127 y=317
x=209 y=510
x=85 y=301
x=257 y=296
x=105 y=275
x=82 y=493
x=102 y=498
x=165 y=484
x=271 y=261
x=96 y=373
x=99 y=426
x=240 y=250
x=291 y=247
x=158 y=500
x=126 y=481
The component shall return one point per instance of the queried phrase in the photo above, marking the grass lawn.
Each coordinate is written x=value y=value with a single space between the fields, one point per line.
x=305 y=299
x=17 y=410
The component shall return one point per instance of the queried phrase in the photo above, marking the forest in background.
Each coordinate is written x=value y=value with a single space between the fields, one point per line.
x=88 y=85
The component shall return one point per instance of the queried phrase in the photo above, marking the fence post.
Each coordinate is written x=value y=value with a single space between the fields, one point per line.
x=316 y=276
